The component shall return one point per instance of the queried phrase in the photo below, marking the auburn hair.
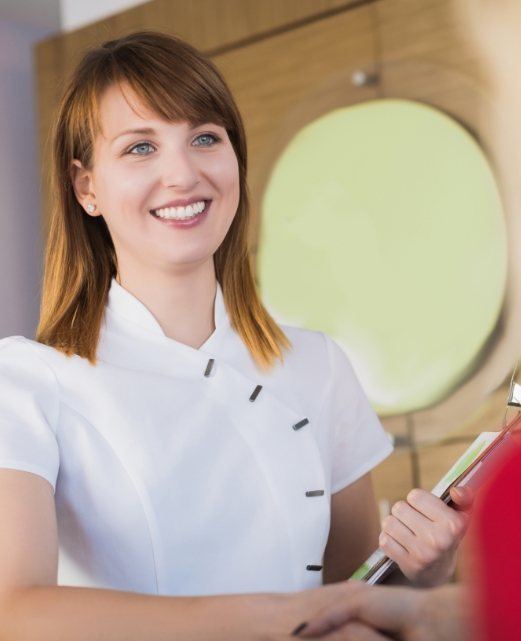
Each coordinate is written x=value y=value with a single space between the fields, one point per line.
x=179 y=84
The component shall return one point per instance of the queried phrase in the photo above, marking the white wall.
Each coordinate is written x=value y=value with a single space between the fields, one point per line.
x=20 y=209
x=78 y=13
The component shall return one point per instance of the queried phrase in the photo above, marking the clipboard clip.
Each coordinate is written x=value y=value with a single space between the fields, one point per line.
x=514 y=393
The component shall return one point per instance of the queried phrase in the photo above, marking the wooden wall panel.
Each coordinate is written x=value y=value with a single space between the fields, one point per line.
x=427 y=55
x=309 y=74
x=214 y=25
x=434 y=461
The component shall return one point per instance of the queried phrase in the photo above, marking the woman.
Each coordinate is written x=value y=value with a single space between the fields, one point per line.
x=197 y=450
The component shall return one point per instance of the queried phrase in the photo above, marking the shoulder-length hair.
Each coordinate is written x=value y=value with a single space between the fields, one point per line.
x=179 y=84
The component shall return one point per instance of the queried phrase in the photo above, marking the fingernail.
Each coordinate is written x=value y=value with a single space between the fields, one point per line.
x=299 y=629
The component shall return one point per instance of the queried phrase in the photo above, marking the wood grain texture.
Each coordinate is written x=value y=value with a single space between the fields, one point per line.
x=426 y=55
x=283 y=83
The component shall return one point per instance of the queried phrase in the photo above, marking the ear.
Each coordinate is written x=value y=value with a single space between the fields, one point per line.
x=82 y=184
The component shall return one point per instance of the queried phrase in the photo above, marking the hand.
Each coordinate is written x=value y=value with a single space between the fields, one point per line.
x=292 y=607
x=379 y=613
x=422 y=535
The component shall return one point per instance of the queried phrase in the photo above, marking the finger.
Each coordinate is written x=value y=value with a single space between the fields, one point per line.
x=434 y=509
x=336 y=613
x=463 y=497
x=417 y=522
x=394 y=550
x=328 y=619
x=427 y=504
x=380 y=607
x=432 y=536
x=356 y=632
x=399 y=532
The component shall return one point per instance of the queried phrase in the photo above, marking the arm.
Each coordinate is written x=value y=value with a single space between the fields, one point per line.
x=34 y=608
x=355 y=526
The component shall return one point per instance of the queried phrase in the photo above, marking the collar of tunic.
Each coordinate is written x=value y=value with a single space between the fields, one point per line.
x=124 y=304
x=131 y=336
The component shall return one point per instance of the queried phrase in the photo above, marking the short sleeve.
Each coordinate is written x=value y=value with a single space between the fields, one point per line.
x=359 y=441
x=29 y=405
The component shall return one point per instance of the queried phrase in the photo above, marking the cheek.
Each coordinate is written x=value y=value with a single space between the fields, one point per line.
x=121 y=191
x=227 y=177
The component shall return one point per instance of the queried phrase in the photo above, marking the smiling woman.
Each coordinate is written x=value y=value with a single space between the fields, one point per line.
x=207 y=479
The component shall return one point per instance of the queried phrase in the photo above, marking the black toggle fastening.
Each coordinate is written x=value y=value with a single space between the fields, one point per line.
x=300 y=424
x=314 y=568
x=315 y=493
x=255 y=393
x=209 y=367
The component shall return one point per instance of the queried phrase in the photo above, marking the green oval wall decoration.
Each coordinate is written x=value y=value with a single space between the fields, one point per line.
x=382 y=225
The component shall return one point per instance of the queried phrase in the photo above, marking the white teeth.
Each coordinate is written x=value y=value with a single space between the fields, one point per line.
x=181 y=213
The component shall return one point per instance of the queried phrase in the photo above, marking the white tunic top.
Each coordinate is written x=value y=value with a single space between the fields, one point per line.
x=175 y=478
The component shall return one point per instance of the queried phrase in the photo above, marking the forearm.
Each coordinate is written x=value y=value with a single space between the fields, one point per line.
x=57 y=613
x=448 y=613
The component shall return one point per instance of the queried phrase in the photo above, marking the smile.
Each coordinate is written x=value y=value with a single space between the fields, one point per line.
x=181 y=213
x=169 y=217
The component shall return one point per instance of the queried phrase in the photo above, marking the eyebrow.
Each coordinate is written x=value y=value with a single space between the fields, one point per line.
x=148 y=131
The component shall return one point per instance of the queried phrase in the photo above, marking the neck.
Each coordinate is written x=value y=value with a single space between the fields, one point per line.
x=182 y=303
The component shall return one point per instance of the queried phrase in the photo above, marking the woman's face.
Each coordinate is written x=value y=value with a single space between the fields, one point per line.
x=134 y=173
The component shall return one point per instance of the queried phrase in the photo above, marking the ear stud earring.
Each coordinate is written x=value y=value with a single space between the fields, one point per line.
x=91 y=207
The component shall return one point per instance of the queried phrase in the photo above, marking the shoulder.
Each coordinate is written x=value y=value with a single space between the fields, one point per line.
x=24 y=352
x=15 y=349
x=308 y=348
x=318 y=365
x=29 y=410
x=319 y=350
x=24 y=370
x=303 y=339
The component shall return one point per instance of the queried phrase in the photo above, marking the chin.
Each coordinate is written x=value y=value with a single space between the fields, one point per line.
x=187 y=260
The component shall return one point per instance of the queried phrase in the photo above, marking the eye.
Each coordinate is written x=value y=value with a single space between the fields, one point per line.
x=137 y=146
x=209 y=137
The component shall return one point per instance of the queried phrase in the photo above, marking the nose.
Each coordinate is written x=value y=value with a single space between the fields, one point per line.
x=179 y=170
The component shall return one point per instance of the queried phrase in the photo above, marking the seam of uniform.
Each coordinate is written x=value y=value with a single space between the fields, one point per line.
x=140 y=491
x=272 y=489
x=327 y=388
